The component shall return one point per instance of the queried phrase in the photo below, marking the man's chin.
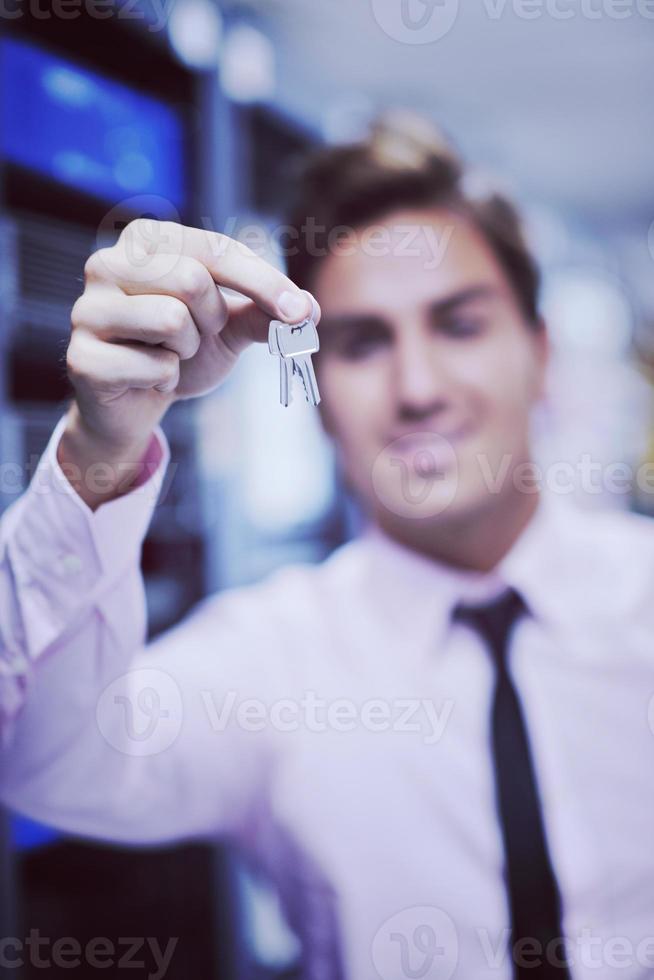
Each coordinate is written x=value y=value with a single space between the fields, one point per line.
x=416 y=498
x=414 y=480
x=433 y=529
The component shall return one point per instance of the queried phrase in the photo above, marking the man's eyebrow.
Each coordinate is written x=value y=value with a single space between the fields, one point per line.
x=467 y=295
x=345 y=322
x=341 y=323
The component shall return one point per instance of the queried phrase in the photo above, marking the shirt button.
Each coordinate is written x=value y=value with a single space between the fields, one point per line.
x=70 y=564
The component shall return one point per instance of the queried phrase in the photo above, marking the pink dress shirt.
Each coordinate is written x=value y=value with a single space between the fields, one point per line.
x=332 y=723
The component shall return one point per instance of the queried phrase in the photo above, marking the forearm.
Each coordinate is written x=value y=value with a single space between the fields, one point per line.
x=103 y=734
x=74 y=618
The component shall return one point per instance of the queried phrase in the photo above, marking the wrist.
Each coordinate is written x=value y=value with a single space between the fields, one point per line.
x=100 y=468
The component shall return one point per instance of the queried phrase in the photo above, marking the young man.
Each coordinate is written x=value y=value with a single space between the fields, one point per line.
x=430 y=801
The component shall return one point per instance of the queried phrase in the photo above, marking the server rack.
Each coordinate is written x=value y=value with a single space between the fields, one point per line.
x=48 y=226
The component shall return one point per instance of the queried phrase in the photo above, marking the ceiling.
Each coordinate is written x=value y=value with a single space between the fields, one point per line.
x=554 y=95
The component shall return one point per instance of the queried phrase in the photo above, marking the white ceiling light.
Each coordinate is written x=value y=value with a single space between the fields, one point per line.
x=247 y=65
x=195 y=31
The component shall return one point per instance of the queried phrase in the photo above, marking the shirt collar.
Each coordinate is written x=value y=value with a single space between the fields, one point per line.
x=550 y=564
x=576 y=567
x=414 y=595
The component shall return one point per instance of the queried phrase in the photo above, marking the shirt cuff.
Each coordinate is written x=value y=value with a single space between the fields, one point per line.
x=52 y=531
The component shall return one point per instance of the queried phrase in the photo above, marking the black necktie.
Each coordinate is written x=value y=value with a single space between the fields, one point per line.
x=534 y=900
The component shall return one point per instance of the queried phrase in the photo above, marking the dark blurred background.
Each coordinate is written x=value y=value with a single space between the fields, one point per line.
x=200 y=112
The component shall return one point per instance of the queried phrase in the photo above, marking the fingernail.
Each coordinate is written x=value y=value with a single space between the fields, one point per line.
x=293 y=306
x=315 y=309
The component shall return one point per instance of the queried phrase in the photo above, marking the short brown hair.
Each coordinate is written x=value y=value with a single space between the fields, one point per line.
x=404 y=162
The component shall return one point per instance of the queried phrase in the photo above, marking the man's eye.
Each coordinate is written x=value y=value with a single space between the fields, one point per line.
x=460 y=326
x=358 y=348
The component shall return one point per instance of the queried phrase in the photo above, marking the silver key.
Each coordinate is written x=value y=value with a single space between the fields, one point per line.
x=285 y=365
x=294 y=343
x=303 y=366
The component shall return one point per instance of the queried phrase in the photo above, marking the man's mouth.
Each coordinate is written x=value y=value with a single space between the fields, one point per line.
x=420 y=436
x=427 y=450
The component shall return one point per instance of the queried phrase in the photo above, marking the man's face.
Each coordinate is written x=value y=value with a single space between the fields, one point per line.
x=428 y=368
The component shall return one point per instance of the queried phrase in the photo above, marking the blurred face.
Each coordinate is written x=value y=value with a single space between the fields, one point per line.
x=428 y=369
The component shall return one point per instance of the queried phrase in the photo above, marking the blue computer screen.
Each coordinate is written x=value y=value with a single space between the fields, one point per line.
x=87 y=131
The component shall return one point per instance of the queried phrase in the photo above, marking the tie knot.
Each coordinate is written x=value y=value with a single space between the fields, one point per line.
x=493 y=620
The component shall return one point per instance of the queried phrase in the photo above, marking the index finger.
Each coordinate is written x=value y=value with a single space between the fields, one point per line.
x=230 y=263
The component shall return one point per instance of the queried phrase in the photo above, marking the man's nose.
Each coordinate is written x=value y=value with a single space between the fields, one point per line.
x=420 y=383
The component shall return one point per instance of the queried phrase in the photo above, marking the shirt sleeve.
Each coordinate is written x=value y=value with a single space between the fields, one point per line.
x=104 y=735
x=57 y=557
